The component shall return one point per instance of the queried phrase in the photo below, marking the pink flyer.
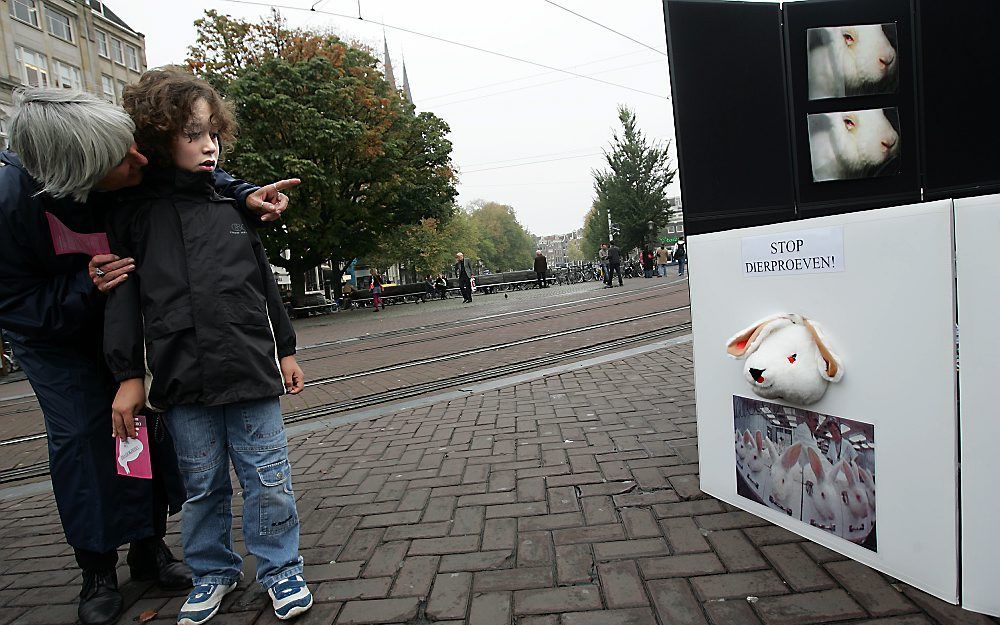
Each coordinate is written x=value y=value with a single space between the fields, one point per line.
x=133 y=453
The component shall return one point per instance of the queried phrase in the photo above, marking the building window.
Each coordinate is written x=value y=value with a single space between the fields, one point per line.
x=69 y=77
x=25 y=10
x=34 y=67
x=132 y=57
x=116 y=51
x=670 y=229
x=108 y=87
x=102 y=43
x=121 y=88
x=3 y=132
x=680 y=228
x=60 y=25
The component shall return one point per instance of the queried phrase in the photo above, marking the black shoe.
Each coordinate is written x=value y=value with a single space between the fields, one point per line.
x=150 y=561
x=100 y=601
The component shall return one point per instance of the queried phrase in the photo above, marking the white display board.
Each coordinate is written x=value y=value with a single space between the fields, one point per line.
x=977 y=230
x=888 y=310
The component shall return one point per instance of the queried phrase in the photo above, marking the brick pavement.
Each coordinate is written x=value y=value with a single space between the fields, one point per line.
x=568 y=500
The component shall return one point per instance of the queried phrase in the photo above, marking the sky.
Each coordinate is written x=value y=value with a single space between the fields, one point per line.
x=522 y=135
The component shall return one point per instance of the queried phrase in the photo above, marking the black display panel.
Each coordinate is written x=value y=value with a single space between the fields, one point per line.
x=960 y=91
x=852 y=93
x=728 y=90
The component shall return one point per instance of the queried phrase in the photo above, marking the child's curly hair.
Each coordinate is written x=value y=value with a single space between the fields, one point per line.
x=161 y=104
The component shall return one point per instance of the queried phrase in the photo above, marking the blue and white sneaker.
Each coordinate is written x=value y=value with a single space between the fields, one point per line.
x=202 y=603
x=290 y=597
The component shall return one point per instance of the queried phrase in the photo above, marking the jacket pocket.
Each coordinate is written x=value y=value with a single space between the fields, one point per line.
x=245 y=311
x=277 y=501
x=159 y=324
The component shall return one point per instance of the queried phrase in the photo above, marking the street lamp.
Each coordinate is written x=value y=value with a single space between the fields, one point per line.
x=651 y=227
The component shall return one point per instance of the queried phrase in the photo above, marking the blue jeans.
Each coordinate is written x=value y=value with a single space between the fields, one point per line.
x=252 y=436
x=680 y=266
x=662 y=269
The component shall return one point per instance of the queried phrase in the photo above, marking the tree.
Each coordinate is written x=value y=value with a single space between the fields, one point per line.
x=634 y=184
x=504 y=244
x=427 y=247
x=314 y=107
x=574 y=250
x=595 y=231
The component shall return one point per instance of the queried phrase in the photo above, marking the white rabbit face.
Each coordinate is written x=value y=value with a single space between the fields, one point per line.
x=824 y=495
x=757 y=456
x=785 y=365
x=866 y=56
x=855 y=495
x=785 y=472
x=863 y=139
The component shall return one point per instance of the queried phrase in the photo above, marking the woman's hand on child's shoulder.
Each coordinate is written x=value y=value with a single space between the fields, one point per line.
x=292 y=374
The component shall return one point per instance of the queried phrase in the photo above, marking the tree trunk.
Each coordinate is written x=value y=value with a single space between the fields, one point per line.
x=298 y=279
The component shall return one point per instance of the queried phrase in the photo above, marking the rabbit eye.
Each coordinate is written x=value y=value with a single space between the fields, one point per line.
x=792 y=358
x=849 y=123
x=849 y=39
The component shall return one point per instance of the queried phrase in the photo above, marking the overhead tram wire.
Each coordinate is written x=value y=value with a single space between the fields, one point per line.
x=550 y=160
x=448 y=41
x=608 y=28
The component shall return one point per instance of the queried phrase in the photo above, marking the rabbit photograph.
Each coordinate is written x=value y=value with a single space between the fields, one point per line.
x=852 y=60
x=816 y=468
x=848 y=145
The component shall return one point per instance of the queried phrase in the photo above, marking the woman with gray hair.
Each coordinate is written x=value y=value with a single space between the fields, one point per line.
x=70 y=151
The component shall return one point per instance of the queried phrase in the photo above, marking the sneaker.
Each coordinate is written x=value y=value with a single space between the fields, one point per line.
x=290 y=597
x=202 y=603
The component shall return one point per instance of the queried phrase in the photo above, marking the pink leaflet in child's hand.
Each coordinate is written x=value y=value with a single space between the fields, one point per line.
x=66 y=241
x=133 y=453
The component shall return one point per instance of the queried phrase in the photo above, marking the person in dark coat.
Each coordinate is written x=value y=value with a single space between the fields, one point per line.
x=541 y=269
x=463 y=271
x=51 y=309
x=680 y=255
x=614 y=264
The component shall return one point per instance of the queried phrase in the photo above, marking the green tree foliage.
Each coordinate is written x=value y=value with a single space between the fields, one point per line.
x=314 y=107
x=574 y=250
x=428 y=247
x=633 y=186
x=595 y=231
x=503 y=243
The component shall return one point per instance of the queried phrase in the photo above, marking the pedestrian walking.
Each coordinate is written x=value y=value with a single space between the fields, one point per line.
x=602 y=259
x=647 y=261
x=376 y=289
x=219 y=346
x=463 y=270
x=614 y=264
x=680 y=255
x=66 y=144
x=541 y=269
x=662 y=260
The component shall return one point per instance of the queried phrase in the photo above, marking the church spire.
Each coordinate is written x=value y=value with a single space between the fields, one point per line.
x=389 y=77
x=406 y=84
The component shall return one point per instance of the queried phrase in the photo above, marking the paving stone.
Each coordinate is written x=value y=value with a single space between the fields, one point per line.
x=387 y=559
x=687 y=508
x=591 y=534
x=771 y=535
x=555 y=600
x=798 y=570
x=738 y=585
x=343 y=590
x=599 y=510
x=735 y=551
x=821 y=554
x=395 y=518
x=550 y=522
x=513 y=579
x=687 y=565
x=477 y=561
x=574 y=564
x=622 y=585
x=334 y=571
x=870 y=589
x=810 y=607
x=415 y=576
x=945 y=613
x=674 y=602
x=630 y=616
x=534 y=549
x=449 y=596
x=729 y=521
x=910 y=619
x=378 y=611
x=492 y=608
x=731 y=612
x=516 y=509
x=500 y=534
x=468 y=521
x=420 y=530
x=562 y=499
x=631 y=549
x=443 y=546
x=683 y=535
x=639 y=523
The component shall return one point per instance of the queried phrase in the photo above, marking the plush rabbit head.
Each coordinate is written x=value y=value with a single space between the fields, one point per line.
x=783 y=472
x=787 y=358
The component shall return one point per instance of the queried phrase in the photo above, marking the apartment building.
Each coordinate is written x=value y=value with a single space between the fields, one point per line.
x=75 y=44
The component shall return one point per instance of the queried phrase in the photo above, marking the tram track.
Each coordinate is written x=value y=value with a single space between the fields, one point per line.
x=40 y=469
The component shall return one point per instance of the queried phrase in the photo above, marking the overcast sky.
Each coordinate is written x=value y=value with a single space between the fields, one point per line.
x=503 y=113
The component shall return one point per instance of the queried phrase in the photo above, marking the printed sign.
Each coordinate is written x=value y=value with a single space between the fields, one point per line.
x=133 y=453
x=66 y=241
x=820 y=250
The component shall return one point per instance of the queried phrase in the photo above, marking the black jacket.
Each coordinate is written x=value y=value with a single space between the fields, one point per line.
x=541 y=265
x=468 y=269
x=614 y=255
x=203 y=311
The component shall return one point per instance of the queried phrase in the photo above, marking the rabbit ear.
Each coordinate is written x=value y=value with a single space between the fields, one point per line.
x=816 y=463
x=747 y=439
x=771 y=449
x=852 y=478
x=829 y=363
x=791 y=456
x=759 y=439
x=748 y=340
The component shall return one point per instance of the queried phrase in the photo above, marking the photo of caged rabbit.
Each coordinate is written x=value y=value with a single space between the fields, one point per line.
x=852 y=60
x=848 y=145
x=816 y=468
